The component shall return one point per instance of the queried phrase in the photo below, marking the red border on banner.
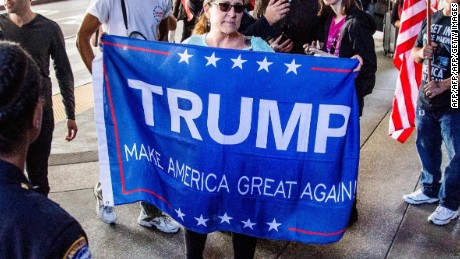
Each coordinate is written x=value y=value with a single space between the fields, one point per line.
x=120 y=160
x=117 y=139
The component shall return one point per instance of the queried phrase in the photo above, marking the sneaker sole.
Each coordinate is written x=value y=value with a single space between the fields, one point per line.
x=414 y=202
x=149 y=225
x=168 y=232
x=443 y=222
x=145 y=224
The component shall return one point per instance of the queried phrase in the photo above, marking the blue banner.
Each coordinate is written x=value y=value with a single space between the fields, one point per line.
x=257 y=143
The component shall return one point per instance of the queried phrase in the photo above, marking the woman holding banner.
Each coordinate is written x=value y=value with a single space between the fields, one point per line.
x=218 y=27
x=347 y=33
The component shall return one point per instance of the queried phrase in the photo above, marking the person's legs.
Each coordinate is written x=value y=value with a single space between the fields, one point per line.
x=354 y=214
x=150 y=210
x=244 y=247
x=450 y=188
x=38 y=154
x=151 y=216
x=194 y=244
x=428 y=144
x=360 y=105
x=354 y=210
x=106 y=213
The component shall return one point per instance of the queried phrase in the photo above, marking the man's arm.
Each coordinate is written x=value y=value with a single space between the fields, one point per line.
x=71 y=243
x=87 y=28
x=394 y=18
x=64 y=76
x=434 y=88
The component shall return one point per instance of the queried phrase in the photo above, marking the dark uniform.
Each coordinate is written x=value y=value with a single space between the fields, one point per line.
x=31 y=225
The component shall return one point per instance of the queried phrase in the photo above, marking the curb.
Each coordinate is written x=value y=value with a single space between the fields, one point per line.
x=73 y=158
x=35 y=2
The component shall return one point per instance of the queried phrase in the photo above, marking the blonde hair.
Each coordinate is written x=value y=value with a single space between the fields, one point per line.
x=202 y=26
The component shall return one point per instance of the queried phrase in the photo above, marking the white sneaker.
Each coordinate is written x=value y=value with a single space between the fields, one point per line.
x=442 y=216
x=105 y=213
x=162 y=223
x=418 y=197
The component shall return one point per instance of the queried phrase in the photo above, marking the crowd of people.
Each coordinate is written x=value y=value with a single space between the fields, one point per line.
x=335 y=28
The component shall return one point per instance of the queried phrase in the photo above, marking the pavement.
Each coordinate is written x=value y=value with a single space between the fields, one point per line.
x=35 y=2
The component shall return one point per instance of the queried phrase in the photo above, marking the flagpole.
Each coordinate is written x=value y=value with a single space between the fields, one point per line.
x=428 y=35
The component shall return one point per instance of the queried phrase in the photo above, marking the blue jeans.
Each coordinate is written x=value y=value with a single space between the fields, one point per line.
x=432 y=129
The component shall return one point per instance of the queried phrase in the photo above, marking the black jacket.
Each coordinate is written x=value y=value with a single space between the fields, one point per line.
x=357 y=39
x=256 y=27
x=301 y=24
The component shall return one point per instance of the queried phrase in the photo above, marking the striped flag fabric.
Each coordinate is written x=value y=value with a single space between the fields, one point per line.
x=402 y=119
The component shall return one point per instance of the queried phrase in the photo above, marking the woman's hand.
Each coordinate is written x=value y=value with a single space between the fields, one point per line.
x=314 y=49
x=285 y=47
x=360 y=64
x=276 y=10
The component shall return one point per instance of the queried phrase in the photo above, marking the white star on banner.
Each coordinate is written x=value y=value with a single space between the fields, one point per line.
x=238 y=62
x=225 y=218
x=180 y=214
x=292 y=67
x=273 y=225
x=248 y=224
x=264 y=64
x=212 y=60
x=184 y=57
x=201 y=220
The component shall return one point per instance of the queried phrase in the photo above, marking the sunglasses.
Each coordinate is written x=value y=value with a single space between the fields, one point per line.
x=226 y=6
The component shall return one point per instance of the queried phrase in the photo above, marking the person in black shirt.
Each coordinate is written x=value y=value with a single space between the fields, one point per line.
x=396 y=13
x=31 y=225
x=42 y=39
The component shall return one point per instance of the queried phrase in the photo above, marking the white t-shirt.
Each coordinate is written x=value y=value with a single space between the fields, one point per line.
x=144 y=16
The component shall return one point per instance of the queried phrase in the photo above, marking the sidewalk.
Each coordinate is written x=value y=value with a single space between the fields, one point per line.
x=387 y=227
x=34 y=2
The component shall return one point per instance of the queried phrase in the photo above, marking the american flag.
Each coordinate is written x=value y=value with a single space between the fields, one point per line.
x=402 y=120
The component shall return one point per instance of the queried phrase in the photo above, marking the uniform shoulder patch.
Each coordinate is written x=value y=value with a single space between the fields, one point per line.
x=79 y=249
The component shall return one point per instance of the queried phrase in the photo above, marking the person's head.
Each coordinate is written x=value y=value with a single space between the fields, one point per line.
x=20 y=98
x=325 y=8
x=220 y=15
x=17 y=6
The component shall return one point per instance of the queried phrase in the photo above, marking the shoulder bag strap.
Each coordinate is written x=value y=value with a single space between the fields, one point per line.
x=123 y=9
